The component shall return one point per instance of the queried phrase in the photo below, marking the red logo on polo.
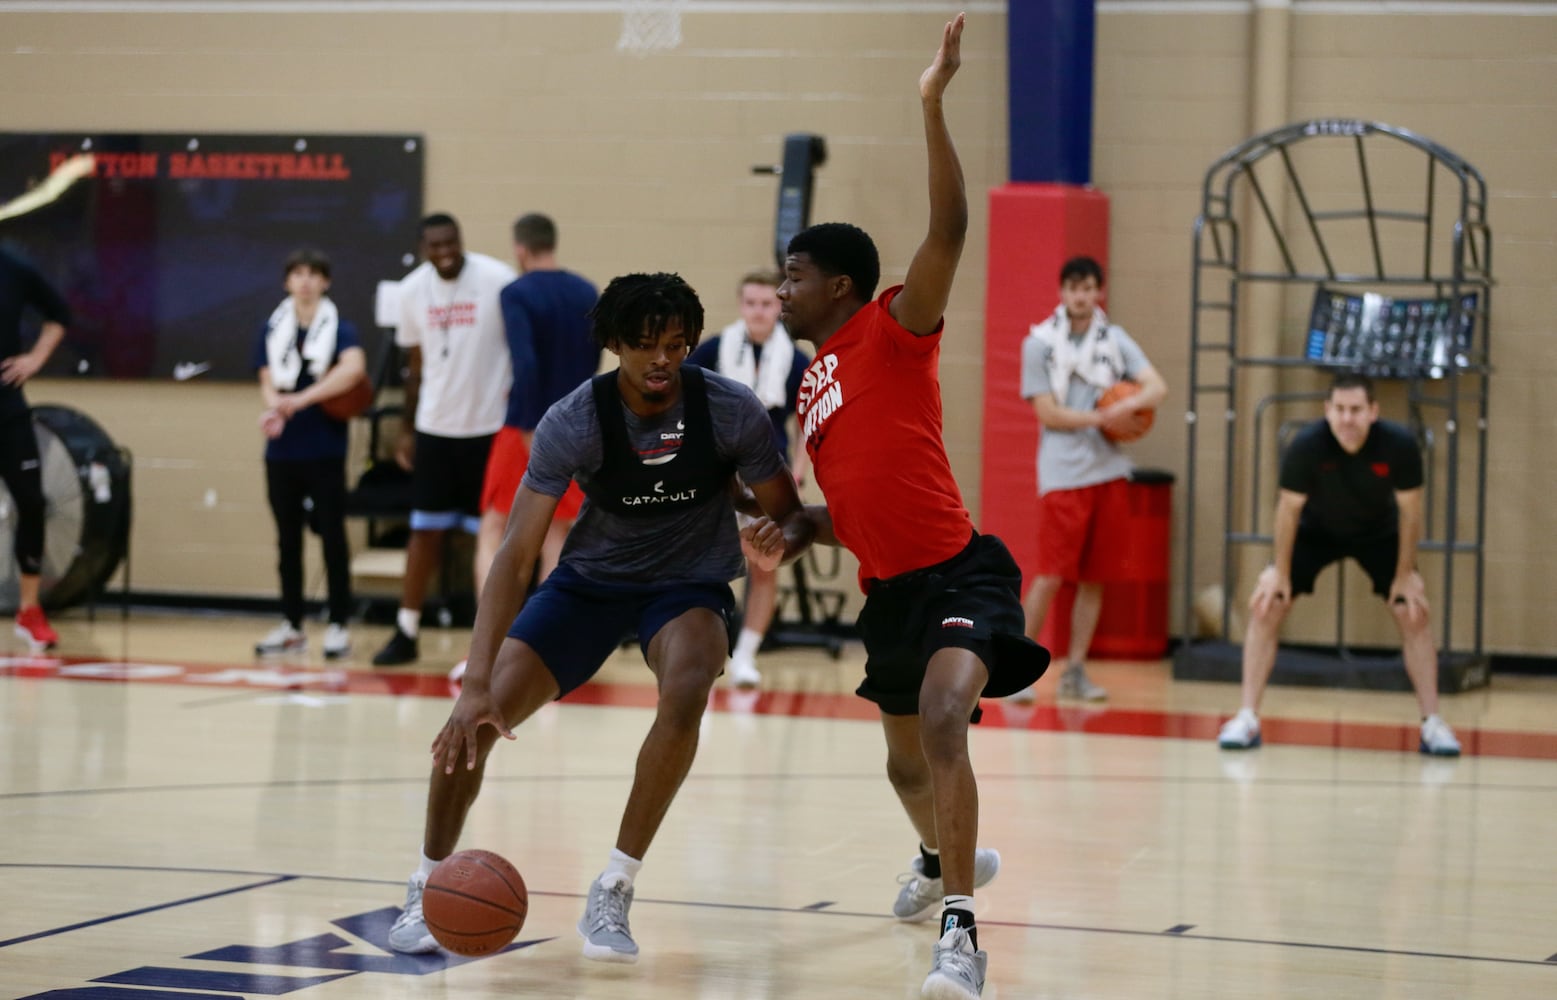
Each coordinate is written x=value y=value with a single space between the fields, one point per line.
x=1381 y=469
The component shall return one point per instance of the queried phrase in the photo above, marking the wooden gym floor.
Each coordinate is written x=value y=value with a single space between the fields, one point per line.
x=178 y=821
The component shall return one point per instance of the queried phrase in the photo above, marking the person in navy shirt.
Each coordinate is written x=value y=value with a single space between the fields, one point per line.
x=304 y=354
x=552 y=350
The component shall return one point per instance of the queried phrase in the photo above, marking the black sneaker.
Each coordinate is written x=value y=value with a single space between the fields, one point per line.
x=400 y=648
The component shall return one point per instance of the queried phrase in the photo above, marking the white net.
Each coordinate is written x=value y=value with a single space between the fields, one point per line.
x=650 y=26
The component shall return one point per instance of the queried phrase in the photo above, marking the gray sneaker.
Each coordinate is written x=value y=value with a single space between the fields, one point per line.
x=920 y=896
x=956 y=971
x=409 y=934
x=607 y=938
x=1075 y=684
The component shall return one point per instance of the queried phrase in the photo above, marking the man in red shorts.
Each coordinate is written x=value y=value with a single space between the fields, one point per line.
x=942 y=621
x=1068 y=361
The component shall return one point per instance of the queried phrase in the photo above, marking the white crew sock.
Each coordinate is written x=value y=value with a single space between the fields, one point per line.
x=746 y=645
x=620 y=867
x=427 y=865
x=408 y=621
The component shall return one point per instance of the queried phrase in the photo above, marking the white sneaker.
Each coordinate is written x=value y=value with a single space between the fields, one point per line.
x=337 y=642
x=1242 y=731
x=958 y=971
x=743 y=673
x=1438 y=739
x=409 y=934
x=920 y=896
x=281 y=639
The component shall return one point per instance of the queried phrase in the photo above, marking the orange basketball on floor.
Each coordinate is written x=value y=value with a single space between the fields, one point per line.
x=1142 y=422
x=475 y=902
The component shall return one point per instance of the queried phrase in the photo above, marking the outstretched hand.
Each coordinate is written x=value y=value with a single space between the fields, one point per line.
x=762 y=542
x=932 y=83
x=458 y=737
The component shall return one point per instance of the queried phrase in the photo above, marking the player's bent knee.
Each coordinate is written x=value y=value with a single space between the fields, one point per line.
x=1410 y=624
x=943 y=728
x=684 y=692
x=1272 y=615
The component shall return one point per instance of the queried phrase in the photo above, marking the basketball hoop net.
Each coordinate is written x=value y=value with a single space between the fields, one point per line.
x=649 y=26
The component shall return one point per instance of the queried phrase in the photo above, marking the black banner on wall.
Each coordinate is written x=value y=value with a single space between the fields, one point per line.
x=169 y=248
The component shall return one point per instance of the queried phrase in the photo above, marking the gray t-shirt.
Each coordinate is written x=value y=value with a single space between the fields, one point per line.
x=1069 y=460
x=701 y=544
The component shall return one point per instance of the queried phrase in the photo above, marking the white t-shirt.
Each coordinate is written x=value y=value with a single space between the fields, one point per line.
x=459 y=327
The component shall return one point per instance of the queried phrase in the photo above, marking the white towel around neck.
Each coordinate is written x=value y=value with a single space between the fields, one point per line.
x=770 y=379
x=1096 y=359
x=281 y=354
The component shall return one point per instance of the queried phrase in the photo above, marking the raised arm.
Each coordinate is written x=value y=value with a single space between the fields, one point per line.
x=927 y=288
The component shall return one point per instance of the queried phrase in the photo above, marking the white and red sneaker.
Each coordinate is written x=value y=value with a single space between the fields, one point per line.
x=33 y=626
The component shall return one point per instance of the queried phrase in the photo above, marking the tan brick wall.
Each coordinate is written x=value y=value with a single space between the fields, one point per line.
x=645 y=162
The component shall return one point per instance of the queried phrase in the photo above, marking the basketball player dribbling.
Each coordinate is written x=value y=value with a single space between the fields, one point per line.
x=654 y=446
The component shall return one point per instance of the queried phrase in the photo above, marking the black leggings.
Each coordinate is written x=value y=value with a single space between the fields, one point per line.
x=23 y=475
x=324 y=481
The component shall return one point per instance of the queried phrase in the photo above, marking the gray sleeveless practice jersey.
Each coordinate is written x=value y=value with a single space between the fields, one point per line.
x=700 y=544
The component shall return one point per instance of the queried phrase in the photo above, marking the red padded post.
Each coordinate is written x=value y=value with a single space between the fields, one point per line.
x=1033 y=230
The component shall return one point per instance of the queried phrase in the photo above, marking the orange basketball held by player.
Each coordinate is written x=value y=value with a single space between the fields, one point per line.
x=351 y=403
x=1139 y=422
x=475 y=903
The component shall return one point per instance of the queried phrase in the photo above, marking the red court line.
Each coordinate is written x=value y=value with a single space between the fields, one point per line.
x=1043 y=716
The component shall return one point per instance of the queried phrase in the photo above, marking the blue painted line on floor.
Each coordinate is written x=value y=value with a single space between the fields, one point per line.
x=1179 y=928
x=146 y=909
x=824 y=904
x=818 y=908
x=203 y=979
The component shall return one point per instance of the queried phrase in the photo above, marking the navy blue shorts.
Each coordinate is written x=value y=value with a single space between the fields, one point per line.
x=971 y=601
x=576 y=624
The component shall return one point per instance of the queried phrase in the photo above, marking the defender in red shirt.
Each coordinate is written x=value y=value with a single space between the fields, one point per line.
x=942 y=621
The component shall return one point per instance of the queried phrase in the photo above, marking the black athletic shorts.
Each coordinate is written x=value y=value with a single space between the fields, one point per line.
x=971 y=601
x=1313 y=551
x=446 y=481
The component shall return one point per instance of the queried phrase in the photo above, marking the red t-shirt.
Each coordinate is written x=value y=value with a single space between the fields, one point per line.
x=870 y=415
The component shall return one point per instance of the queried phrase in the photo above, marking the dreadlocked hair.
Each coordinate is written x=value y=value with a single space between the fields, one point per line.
x=636 y=308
